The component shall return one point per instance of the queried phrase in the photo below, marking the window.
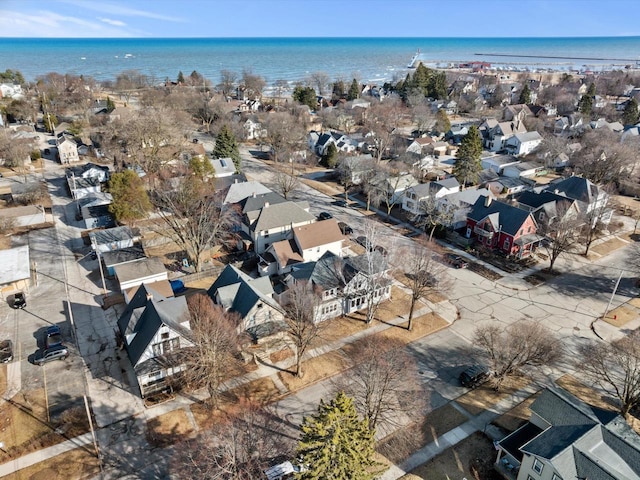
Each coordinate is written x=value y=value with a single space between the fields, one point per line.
x=164 y=335
x=507 y=244
x=537 y=466
x=555 y=477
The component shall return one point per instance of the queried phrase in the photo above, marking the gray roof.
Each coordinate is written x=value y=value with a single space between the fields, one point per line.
x=241 y=190
x=450 y=182
x=142 y=268
x=239 y=292
x=528 y=136
x=124 y=255
x=511 y=218
x=279 y=215
x=577 y=188
x=145 y=314
x=583 y=440
x=223 y=166
x=324 y=273
x=110 y=235
x=256 y=202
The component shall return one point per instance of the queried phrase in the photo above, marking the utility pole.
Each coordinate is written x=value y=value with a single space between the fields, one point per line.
x=615 y=289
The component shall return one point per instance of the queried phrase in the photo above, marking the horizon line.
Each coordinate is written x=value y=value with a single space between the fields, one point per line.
x=320 y=37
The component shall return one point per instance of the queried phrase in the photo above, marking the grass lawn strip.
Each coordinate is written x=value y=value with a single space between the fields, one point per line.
x=584 y=393
x=472 y=458
x=401 y=444
x=621 y=316
x=316 y=369
x=78 y=463
x=169 y=428
x=484 y=397
x=608 y=246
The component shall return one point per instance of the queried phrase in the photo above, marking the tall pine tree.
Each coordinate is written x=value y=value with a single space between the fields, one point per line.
x=585 y=105
x=354 y=90
x=630 y=114
x=525 y=95
x=467 y=164
x=227 y=146
x=336 y=445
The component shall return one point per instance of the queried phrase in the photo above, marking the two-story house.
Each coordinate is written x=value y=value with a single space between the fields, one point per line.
x=67 y=149
x=344 y=284
x=495 y=134
x=589 y=196
x=153 y=329
x=252 y=299
x=272 y=223
x=418 y=193
x=504 y=227
x=523 y=143
x=309 y=243
x=567 y=439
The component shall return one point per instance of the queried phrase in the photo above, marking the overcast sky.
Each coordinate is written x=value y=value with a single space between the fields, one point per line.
x=318 y=18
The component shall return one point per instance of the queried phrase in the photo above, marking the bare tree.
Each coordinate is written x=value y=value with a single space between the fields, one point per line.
x=14 y=151
x=383 y=383
x=381 y=123
x=433 y=214
x=393 y=186
x=561 y=232
x=213 y=358
x=419 y=262
x=227 y=83
x=286 y=183
x=604 y=158
x=130 y=81
x=301 y=317
x=285 y=135
x=423 y=117
x=320 y=80
x=373 y=272
x=615 y=367
x=521 y=344
x=193 y=216
x=254 y=84
x=242 y=446
x=594 y=223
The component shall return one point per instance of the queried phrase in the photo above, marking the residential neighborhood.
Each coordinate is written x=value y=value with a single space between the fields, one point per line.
x=452 y=258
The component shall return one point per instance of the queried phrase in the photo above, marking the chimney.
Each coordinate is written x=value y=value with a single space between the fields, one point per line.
x=266 y=204
x=149 y=296
x=487 y=200
x=254 y=194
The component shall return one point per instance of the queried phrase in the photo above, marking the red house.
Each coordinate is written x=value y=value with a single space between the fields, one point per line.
x=500 y=226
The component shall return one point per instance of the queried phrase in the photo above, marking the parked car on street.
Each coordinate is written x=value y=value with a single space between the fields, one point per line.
x=456 y=261
x=6 y=351
x=340 y=203
x=54 y=337
x=474 y=375
x=19 y=300
x=324 y=216
x=59 y=352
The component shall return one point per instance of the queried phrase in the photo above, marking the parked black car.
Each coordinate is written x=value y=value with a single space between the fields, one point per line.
x=6 y=351
x=474 y=375
x=456 y=261
x=54 y=337
x=19 y=300
x=324 y=216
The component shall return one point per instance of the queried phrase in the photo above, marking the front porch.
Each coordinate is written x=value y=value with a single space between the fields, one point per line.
x=509 y=454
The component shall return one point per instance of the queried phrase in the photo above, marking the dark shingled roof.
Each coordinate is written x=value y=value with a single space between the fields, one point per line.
x=145 y=314
x=577 y=188
x=511 y=218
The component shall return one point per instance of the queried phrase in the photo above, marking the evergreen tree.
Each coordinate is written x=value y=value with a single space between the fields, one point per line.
x=437 y=86
x=227 y=146
x=443 y=125
x=354 y=90
x=306 y=96
x=111 y=106
x=180 y=78
x=585 y=105
x=330 y=157
x=630 y=114
x=525 y=95
x=336 y=445
x=422 y=79
x=338 y=89
x=467 y=164
x=130 y=199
